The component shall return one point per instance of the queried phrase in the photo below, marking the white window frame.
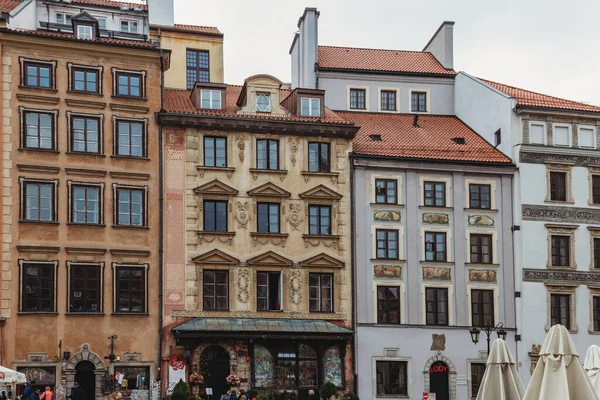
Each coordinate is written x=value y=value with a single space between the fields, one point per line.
x=570 y=135
x=310 y=104
x=211 y=93
x=129 y=24
x=85 y=32
x=545 y=130
x=105 y=22
x=64 y=15
x=594 y=138
x=268 y=97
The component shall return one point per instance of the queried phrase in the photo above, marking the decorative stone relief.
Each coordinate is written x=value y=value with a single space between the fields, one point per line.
x=482 y=275
x=391 y=352
x=438 y=342
x=274 y=239
x=254 y=314
x=435 y=218
x=243 y=282
x=534 y=354
x=295 y=216
x=243 y=215
x=209 y=237
x=480 y=220
x=437 y=273
x=295 y=287
x=241 y=139
x=132 y=357
x=543 y=158
x=294 y=149
x=325 y=240
x=570 y=277
x=386 y=215
x=387 y=271
x=560 y=214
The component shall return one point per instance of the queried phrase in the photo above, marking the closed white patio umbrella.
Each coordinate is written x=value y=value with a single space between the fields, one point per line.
x=11 y=377
x=559 y=374
x=501 y=380
x=591 y=365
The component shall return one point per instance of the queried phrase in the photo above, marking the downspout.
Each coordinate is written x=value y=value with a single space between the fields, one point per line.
x=160 y=212
x=353 y=269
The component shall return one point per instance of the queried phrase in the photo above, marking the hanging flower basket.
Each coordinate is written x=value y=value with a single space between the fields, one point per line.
x=233 y=380
x=196 y=379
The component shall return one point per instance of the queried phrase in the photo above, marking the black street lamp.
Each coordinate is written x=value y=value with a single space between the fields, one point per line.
x=499 y=329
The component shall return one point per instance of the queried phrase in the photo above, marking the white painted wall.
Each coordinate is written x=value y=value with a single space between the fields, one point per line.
x=441 y=45
x=23 y=16
x=161 y=12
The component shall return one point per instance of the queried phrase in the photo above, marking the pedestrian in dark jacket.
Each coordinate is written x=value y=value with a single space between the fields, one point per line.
x=77 y=392
x=34 y=395
x=27 y=392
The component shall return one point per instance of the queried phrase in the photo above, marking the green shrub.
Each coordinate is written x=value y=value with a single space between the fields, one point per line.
x=180 y=391
x=327 y=390
x=350 y=396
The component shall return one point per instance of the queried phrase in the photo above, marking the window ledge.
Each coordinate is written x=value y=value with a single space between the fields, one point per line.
x=448 y=263
x=130 y=226
x=395 y=205
x=114 y=96
x=28 y=221
x=268 y=171
x=37 y=313
x=202 y=169
x=40 y=89
x=52 y=151
x=129 y=157
x=80 y=93
x=209 y=236
x=559 y=202
x=593 y=204
x=277 y=239
x=130 y=314
x=86 y=224
x=100 y=314
x=481 y=265
x=436 y=208
x=326 y=240
x=81 y=153
x=561 y=268
x=489 y=210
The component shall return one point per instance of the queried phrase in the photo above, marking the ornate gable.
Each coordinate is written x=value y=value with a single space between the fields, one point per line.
x=268 y=259
x=322 y=261
x=269 y=189
x=320 y=192
x=215 y=257
x=216 y=187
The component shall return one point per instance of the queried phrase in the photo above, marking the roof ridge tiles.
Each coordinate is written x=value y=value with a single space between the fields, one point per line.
x=375 y=49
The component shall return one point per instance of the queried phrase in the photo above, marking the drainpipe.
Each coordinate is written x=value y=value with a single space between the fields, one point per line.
x=353 y=264
x=160 y=213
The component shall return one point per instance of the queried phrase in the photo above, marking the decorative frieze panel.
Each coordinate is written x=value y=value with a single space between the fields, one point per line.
x=243 y=283
x=295 y=217
x=242 y=215
x=437 y=273
x=569 y=277
x=387 y=271
x=435 y=218
x=295 y=287
x=560 y=214
x=544 y=158
x=482 y=275
x=480 y=220
x=386 y=215
x=251 y=314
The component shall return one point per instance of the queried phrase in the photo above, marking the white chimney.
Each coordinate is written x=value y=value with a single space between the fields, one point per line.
x=441 y=45
x=161 y=12
x=305 y=49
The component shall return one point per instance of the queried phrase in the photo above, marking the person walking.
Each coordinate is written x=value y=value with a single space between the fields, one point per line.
x=242 y=395
x=35 y=395
x=225 y=396
x=47 y=395
x=77 y=392
x=232 y=395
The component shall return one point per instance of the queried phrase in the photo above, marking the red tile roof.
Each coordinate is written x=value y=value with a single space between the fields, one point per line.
x=432 y=139
x=108 y=3
x=211 y=30
x=533 y=99
x=179 y=101
x=400 y=61
x=7 y=6
x=70 y=36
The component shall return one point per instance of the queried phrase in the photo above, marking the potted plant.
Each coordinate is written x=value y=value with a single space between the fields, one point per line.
x=180 y=391
x=328 y=391
x=233 y=380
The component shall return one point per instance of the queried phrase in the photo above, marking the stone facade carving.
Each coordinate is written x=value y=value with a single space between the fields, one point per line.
x=482 y=275
x=243 y=282
x=264 y=239
x=560 y=214
x=243 y=215
x=241 y=139
x=253 y=314
x=438 y=342
x=570 y=277
x=386 y=215
x=387 y=271
x=296 y=287
x=534 y=354
x=435 y=218
x=480 y=220
x=295 y=217
x=391 y=352
x=437 y=273
x=293 y=149
x=543 y=158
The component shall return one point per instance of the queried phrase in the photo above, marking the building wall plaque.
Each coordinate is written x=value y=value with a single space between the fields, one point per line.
x=482 y=275
x=435 y=218
x=386 y=215
x=438 y=342
x=437 y=273
x=568 y=277
x=543 y=158
x=560 y=214
x=480 y=220
x=387 y=271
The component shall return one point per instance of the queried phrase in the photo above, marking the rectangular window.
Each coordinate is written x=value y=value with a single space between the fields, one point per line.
x=268 y=217
x=477 y=372
x=558 y=186
x=561 y=135
x=84 y=32
x=215 y=216
x=435 y=194
x=318 y=157
x=268 y=291
x=197 y=67
x=418 y=101
x=39 y=130
x=215 y=151
x=587 y=137
x=215 y=290
x=386 y=191
x=596 y=312
x=38 y=75
x=388 y=304
x=131 y=139
x=267 y=154
x=85 y=80
x=39 y=201
x=437 y=306
x=129 y=26
x=310 y=107
x=101 y=23
x=392 y=378
x=387 y=244
x=63 y=19
x=130 y=296
x=537 y=133
x=37 y=292
x=480 y=196
x=435 y=246
x=596 y=189
x=85 y=290
x=321 y=292
x=85 y=204
x=129 y=85
x=85 y=134
x=319 y=220
x=481 y=249
x=561 y=250
x=596 y=252
x=358 y=99
x=131 y=207
x=560 y=310
x=498 y=137
x=482 y=308
x=388 y=100
x=210 y=99
x=137 y=378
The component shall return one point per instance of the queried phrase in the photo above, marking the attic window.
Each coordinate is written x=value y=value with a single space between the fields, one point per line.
x=376 y=138
x=85 y=32
x=263 y=102
x=459 y=140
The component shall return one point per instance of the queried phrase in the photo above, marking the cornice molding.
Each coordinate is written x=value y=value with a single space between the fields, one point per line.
x=557 y=277
x=251 y=314
x=576 y=215
x=542 y=157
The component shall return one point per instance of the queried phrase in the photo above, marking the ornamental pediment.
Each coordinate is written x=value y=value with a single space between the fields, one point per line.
x=322 y=261
x=270 y=258
x=320 y=192
x=269 y=189
x=215 y=257
x=216 y=187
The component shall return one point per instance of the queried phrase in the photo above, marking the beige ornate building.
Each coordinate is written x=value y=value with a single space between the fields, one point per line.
x=266 y=211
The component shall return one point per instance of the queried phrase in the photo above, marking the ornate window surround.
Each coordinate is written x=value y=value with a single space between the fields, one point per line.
x=99 y=185
x=562 y=289
x=99 y=69
x=229 y=154
x=333 y=166
x=400 y=229
x=480 y=286
x=321 y=195
x=440 y=285
x=23 y=206
x=215 y=190
x=401 y=293
x=22 y=129
x=399 y=178
x=116 y=187
x=568 y=170
x=50 y=63
x=99 y=117
x=495 y=246
x=561 y=230
x=436 y=178
x=592 y=171
x=270 y=193
x=449 y=245
x=594 y=234
x=473 y=181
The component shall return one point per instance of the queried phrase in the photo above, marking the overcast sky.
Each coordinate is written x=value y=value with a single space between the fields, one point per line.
x=549 y=46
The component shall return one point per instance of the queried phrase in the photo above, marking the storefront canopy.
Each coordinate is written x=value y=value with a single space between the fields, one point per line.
x=9 y=376
x=257 y=328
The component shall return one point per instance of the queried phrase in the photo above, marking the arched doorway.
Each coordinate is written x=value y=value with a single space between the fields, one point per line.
x=214 y=363
x=439 y=380
x=86 y=378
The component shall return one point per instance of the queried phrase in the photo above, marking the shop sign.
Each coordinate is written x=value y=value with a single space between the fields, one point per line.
x=438 y=368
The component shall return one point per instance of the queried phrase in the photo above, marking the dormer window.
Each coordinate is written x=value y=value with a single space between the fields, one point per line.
x=263 y=102
x=310 y=107
x=129 y=26
x=210 y=99
x=85 y=32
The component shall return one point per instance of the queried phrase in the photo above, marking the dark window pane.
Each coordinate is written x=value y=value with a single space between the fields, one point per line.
x=215 y=216
x=85 y=289
x=215 y=290
x=435 y=246
x=267 y=154
x=482 y=308
x=357 y=99
x=561 y=249
x=319 y=220
x=392 y=378
x=131 y=290
x=197 y=67
x=436 y=301
x=321 y=292
x=477 y=372
x=268 y=291
x=388 y=304
x=479 y=196
x=37 y=292
x=560 y=310
x=481 y=249
x=387 y=244
x=558 y=186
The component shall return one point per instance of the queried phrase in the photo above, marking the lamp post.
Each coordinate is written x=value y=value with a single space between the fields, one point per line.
x=499 y=329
